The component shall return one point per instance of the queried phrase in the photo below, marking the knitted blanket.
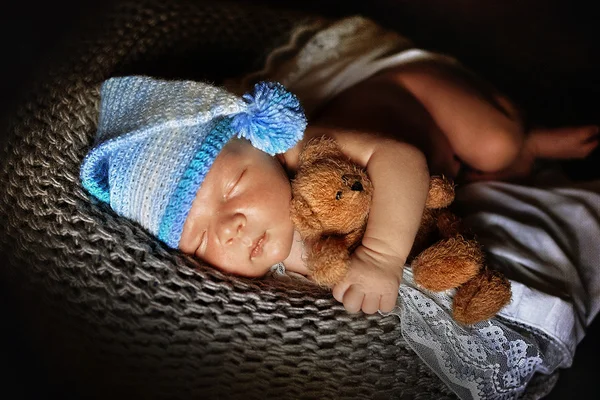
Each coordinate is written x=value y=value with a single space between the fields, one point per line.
x=120 y=314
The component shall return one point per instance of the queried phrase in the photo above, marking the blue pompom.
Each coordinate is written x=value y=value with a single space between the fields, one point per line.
x=274 y=121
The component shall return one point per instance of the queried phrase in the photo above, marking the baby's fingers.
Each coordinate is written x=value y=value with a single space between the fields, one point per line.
x=339 y=290
x=388 y=302
x=370 y=303
x=353 y=299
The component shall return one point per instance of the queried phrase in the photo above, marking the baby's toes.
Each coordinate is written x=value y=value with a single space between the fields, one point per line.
x=565 y=142
x=589 y=146
x=585 y=134
x=588 y=139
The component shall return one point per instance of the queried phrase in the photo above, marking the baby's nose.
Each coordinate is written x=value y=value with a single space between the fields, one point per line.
x=231 y=228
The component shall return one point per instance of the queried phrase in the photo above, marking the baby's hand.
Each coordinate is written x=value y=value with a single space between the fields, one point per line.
x=372 y=282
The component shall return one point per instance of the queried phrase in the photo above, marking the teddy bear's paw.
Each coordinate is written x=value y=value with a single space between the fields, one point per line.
x=481 y=298
x=447 y=264
x=441 y=192
x=328 y=261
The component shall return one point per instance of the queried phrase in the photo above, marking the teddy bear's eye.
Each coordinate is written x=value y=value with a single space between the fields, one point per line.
x=338 y=195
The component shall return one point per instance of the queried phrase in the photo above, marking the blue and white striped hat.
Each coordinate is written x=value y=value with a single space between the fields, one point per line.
x=157 y=139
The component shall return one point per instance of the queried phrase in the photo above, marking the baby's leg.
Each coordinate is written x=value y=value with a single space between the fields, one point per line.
x=548 y=143
x=483 y=127
x=481 y=134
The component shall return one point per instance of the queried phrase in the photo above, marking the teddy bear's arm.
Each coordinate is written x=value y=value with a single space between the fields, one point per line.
x=441 y=192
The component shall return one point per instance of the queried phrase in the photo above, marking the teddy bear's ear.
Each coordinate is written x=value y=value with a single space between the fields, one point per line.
x=304 y=219
x=322 y=147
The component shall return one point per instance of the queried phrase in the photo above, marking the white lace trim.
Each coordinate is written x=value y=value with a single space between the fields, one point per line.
x=489 y=360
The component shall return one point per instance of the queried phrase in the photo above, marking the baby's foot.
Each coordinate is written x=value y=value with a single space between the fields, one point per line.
x=548 y=143
x=563 y=143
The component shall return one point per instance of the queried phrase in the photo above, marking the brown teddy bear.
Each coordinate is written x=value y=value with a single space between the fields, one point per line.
x=331 y=198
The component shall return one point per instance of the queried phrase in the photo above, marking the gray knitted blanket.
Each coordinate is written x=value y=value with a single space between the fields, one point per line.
x=121 y=315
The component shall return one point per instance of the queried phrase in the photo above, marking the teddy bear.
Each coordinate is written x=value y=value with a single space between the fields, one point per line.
x=331 y=199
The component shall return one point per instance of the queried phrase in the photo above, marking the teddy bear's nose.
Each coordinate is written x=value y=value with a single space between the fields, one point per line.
x=357 y=186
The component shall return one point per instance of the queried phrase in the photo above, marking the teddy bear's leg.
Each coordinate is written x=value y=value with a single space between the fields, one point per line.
x=447 y=264
x=481 y=298
x=328 y=261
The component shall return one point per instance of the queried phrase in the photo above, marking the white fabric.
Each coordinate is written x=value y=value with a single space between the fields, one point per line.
x=336 y=58
x=545 y=239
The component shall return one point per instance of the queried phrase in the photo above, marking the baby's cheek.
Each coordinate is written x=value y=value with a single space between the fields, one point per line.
x=279 y=251
x=225 y=260
x=280 y=237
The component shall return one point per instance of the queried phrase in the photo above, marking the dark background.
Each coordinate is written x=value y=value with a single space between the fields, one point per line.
x=543 y=53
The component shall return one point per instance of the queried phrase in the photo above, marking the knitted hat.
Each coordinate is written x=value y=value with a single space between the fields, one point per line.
x=157 y=139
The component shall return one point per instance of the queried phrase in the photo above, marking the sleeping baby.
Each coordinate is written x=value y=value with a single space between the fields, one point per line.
x=207 y=171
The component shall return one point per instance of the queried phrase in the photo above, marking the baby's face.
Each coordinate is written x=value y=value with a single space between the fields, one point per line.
x=240 y=218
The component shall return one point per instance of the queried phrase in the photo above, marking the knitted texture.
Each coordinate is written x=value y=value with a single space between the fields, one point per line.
x=157 y=140
x=116 y=314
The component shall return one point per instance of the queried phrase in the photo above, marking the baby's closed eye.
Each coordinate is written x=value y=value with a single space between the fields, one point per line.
x=232 y=186
x=202 y=245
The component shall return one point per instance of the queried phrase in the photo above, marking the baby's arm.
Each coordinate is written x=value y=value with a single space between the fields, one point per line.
x=383 y=128
x=401 y=180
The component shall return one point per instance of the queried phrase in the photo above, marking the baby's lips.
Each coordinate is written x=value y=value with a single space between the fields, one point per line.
x=258 y=246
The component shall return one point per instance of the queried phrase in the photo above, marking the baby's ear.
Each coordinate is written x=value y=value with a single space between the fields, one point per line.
x=305 y=221
x=322 y=147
